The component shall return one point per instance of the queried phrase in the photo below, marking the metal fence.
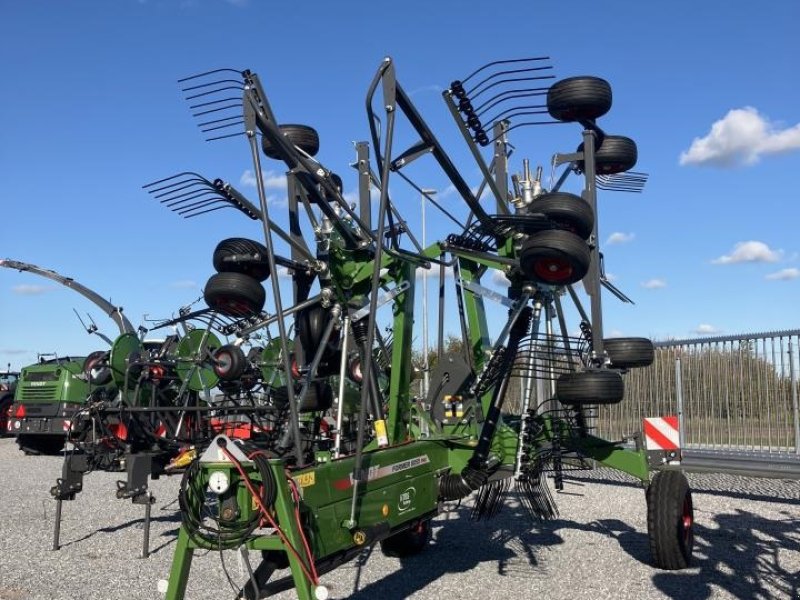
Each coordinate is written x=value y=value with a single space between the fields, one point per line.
x=736 y=394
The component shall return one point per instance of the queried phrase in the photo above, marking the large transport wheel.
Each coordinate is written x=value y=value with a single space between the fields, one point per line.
x=241 y=255
x=234 y=295
x=409 y=541
x=304 y=137
x=555 y=257
x=629 y=353
x=670 y=520
x=616 y=154
x=579 y=98
x=49 y=445
x=593 y=386
x=567 y=210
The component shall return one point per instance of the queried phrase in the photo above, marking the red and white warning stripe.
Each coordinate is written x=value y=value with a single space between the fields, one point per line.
x=661 y=433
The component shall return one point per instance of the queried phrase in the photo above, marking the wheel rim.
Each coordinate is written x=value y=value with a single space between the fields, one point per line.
x=686 y=523
x=553 y=269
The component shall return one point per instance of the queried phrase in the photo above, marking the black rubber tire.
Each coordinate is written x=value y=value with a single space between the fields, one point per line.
x=6 y=401
x=48 y=445
x=96 y=368
x=555 y=257
x=630 y=352
x=252 y=258
x=231 y=362
x=408 y=542
x=593 y=386
x=616 y=154
x=670 y=520
x=567 y=210
x=304 y=137
x=580 y=98
x=234 y=295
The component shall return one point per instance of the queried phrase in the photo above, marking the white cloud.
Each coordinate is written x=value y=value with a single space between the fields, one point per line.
x=499 y=278
x=784 y=274
x=742 y=137
x=615 y=333
x=706 y=329
x=611 y=277
x=751 y=251
x=654 y=284
x=184 y=284
x=13 y=351
x=31 y=290
x=283 y=273
x=271 y=179
x=620 y=238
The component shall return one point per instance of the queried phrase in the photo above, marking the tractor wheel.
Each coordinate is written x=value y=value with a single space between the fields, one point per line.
x=240 y=255
x=593 y=386
x=234 y=295
x=670 y=520
x=49 y=445
x=568 y=211
x=555 y=257
x=231 y=362
x=616 y=154
x=579 y=99
x=304 y=137
x=408 y=542
x=96 y=368
x=629 y=353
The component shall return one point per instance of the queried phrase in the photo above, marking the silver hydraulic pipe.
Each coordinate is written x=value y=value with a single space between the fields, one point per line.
x=337 y=440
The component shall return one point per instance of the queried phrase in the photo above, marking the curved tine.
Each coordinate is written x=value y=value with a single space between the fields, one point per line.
x=211 y=92
x=502 y=62
x=170 y=202
x=516 y=111
x=188 y=214
x=223 y=137
x=502 y=81
x=508 y=72
x=237 y=84
x=181 y=174
x=195 y=205
x=234 y=124
x=207 y=73
x=217 y=101
x=221 y=108
x=172 y=193
x=211 y=122
x=177 y=187
x=509 y=96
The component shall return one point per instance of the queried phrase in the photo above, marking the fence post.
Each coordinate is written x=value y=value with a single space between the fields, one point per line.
x=795 y=412
x=679 y=402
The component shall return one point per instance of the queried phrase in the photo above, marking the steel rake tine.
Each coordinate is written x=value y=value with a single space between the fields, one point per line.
x=207 y=129
x=511 y=94
x=473 y=94
x=181 y=204
x=174 y=195
x=181 y=174
x=211 y=72
x=503 y=62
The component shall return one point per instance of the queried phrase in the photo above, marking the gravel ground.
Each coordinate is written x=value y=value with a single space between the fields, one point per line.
x=747 y=545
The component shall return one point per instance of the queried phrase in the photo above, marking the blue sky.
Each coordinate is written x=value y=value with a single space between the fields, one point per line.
x=90 y=111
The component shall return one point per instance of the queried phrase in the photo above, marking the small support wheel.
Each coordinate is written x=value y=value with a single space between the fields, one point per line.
x=230 y=362
x=304 y=137
x=234 y=295
x=579 y=99
x=670 y=520
x=241 y=255
x=629 y=352
x=592 y=386
x=555 y=257
x=408 y=542
x=567 y=210
x=616 y=154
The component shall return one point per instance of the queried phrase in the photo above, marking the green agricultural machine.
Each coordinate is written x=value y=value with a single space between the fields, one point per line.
x=316 y=446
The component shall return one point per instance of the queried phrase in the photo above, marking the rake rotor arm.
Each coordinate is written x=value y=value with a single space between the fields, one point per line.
x=114 y=312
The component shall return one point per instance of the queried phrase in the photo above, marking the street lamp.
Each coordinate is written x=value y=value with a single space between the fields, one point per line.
x=425 y=368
